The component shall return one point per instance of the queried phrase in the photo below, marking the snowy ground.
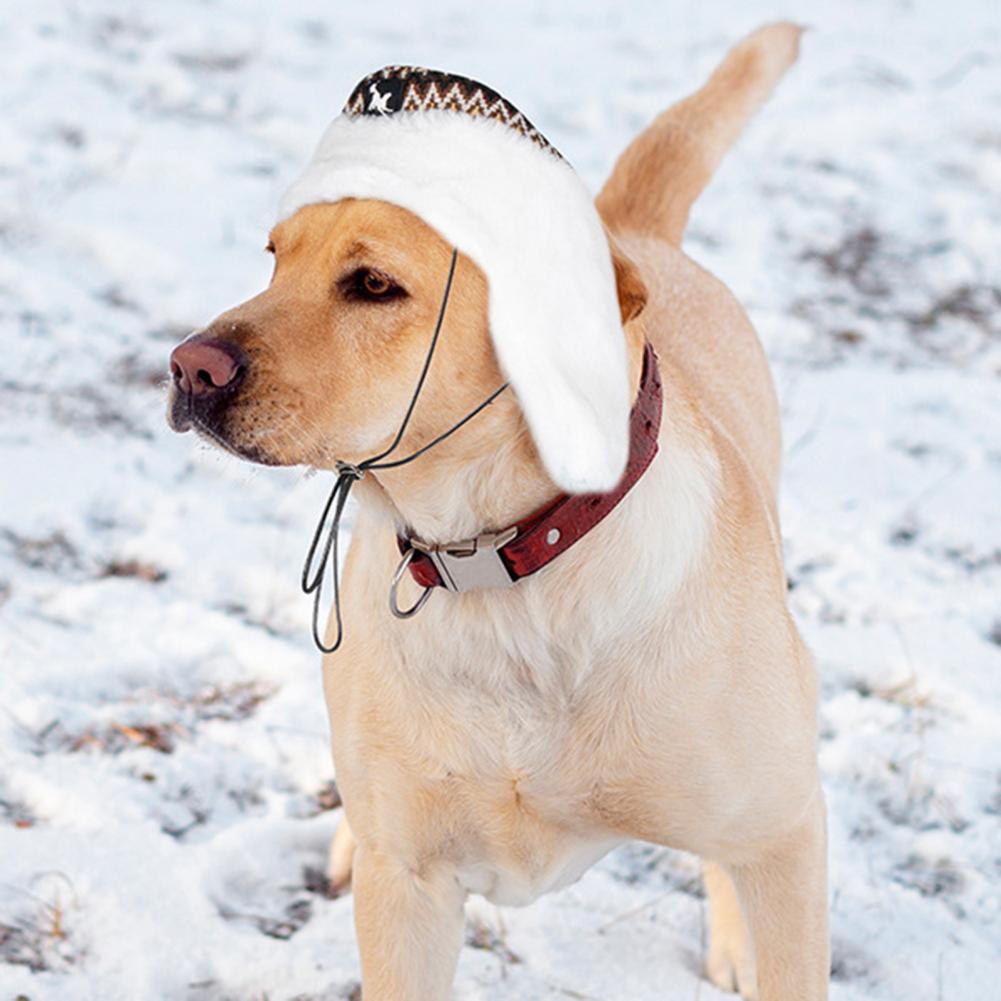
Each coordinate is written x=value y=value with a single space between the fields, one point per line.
x=164 y=774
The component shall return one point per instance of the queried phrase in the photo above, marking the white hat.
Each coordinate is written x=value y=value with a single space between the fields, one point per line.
x=472 y=166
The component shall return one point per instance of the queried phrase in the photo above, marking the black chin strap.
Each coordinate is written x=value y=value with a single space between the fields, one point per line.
x=348 y=474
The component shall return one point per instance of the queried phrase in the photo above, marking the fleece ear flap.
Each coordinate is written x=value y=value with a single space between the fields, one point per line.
x=556 y=324
x=573 y=385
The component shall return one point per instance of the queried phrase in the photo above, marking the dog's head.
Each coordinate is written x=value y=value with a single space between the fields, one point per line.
x=322 y=364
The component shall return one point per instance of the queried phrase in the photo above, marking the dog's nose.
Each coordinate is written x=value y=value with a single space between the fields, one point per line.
x=202 y=365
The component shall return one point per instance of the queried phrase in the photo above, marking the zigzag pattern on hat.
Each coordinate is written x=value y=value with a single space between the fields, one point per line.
x=413 y=88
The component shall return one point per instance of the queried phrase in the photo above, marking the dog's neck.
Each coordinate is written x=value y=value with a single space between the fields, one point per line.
x=459 y=490
x=485 y=478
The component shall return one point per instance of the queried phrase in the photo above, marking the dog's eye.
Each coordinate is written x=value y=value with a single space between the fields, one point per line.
x=370 y=285
x=375 y=284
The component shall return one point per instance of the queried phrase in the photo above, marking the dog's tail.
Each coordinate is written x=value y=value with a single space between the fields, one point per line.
x=664 y=169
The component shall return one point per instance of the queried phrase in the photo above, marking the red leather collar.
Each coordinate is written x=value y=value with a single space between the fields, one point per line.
x=537 y=540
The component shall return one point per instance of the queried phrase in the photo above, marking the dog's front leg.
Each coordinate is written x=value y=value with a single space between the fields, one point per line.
x=783 y=892
x=410 y=927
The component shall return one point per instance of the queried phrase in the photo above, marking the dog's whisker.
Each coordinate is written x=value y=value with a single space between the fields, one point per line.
x=304 y=432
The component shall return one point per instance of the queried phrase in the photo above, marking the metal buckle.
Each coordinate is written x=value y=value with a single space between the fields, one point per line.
x=475 y=563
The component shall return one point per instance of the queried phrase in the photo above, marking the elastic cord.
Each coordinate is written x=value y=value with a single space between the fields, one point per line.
x=348 y=474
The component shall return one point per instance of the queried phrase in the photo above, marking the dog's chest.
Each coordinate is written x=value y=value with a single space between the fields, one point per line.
x=523 y=805
x=524 y=765
x=528 y=835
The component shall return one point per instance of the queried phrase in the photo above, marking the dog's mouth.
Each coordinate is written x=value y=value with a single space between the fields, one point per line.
x=208 y=419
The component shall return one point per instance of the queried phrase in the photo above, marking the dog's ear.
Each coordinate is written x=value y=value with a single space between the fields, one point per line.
x=629 y=286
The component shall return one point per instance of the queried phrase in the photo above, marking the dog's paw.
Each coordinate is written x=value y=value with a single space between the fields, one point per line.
x=341 y=859
x=730 y=967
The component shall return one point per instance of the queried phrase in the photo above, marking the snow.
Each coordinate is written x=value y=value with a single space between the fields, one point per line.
x=164 y=769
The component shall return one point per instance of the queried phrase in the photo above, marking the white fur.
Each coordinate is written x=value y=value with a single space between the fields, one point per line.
x=525 y=217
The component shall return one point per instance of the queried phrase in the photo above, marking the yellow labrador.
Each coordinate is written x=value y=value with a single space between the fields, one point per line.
x=649 y=682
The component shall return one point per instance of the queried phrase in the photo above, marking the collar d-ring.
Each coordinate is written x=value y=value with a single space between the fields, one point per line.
x=406 y=613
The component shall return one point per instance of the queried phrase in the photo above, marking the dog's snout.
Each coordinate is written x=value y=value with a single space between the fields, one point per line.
x=204 y=365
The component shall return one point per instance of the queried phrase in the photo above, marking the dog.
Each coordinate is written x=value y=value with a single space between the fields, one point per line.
x=648 y=683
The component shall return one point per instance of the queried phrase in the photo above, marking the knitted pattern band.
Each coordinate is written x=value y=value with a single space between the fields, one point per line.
x=413 y=88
